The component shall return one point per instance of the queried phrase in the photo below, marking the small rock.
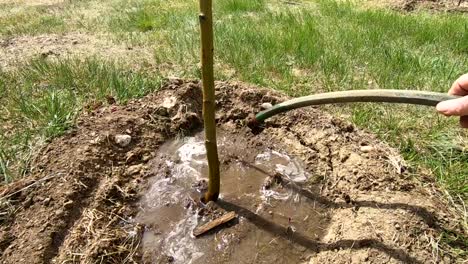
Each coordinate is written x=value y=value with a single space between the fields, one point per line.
x=367 y=149
x=265 y=106
x=344 y=156
x=169 y=102
x=46 y=201
x=397 y=226
x=270 y=212
x=134 y=169
x=145 y=158
x=58 y=212
x=68 y=204
x=38 y=199
x=122 y=140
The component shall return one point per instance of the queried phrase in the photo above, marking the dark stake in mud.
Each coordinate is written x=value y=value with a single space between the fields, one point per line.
x=206 y=29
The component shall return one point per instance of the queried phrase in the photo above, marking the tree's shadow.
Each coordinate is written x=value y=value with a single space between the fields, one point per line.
x=429 y=218
x=316 y=246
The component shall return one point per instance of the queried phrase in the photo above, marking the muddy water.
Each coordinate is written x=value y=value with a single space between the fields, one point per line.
x=270 y=213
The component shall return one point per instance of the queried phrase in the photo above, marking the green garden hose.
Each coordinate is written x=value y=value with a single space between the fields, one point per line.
x=354 y=96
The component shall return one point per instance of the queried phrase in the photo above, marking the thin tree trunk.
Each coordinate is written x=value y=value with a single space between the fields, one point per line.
x=206 y=26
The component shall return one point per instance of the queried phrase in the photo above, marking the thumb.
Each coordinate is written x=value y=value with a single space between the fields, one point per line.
x=454 y=107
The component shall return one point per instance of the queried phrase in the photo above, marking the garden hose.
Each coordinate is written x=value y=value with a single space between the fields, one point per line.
x=354 y=96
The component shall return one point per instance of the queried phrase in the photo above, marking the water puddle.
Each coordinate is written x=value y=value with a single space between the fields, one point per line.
x=269 y=210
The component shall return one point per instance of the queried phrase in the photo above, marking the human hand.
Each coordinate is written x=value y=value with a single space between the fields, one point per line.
x=457 y=107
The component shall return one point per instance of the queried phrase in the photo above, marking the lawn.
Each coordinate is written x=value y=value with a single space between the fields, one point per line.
x=300 y=48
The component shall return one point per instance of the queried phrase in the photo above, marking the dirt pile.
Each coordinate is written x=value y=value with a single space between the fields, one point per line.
x=80 y=201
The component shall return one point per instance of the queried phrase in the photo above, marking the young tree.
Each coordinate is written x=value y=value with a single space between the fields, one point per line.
x=206 y=26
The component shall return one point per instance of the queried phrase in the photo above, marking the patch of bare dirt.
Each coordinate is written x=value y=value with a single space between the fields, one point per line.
x=19 y=50
x=418 y=5
x=81 y=199
x=33 y=2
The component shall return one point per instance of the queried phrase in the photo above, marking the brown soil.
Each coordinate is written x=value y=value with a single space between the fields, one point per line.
x=80 y=201
x=19 y=50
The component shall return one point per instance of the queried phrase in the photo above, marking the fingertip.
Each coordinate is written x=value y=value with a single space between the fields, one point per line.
x=454 y=107
x=460 y=86
x=443 y=107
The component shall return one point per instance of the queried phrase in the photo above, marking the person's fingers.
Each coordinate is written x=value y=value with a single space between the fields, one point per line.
x=464 y=121
x=454 y=107
x=460 y=86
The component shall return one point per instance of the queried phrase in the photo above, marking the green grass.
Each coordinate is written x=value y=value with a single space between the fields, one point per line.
x=143 y=17
x=302 y=49
x=40 y=101
x=424 y=139
x=30 y=20
x=236 y=6
x=310 y=47
x=328 y=46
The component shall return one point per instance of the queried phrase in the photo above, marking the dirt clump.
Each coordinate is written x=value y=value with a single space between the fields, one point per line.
x=80 y=201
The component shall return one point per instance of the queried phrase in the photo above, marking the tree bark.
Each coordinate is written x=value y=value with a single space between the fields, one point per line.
x=206 y=26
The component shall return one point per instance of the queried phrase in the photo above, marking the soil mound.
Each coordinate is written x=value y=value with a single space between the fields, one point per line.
x=80 y=201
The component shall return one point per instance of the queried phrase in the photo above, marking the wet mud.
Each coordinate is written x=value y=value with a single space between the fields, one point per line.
x=257 y=182
x=122 y=187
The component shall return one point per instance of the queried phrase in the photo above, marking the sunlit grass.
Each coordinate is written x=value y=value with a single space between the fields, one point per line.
x=41 y=101
x=311 y=47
